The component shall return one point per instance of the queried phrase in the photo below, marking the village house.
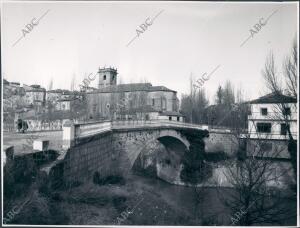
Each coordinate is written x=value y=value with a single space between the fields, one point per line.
x=62 y=99
x=35 y=95
x=272 y=118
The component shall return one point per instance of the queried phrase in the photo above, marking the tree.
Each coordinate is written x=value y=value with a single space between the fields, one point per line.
x=228 y=94
x=272 y=78
x=270 y=75
x=226 y=101
x=290 y=67
x=239 y=95
x=219 y=96
x=186 y=107
x=274 y=83
x=50 y=85
x=252 y=201
x=73 y=83
x=193 y=105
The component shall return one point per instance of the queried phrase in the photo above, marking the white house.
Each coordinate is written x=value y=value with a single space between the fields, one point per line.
x=271 y=116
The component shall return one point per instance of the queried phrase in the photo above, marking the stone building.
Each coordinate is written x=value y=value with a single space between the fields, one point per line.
x=130 y=101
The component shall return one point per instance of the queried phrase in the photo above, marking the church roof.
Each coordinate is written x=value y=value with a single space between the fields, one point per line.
x=131 y=88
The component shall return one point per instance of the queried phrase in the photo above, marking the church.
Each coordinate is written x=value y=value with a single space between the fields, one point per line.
x=134 y=101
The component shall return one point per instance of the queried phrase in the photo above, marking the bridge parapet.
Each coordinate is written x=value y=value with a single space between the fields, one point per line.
x=72 y=131
x=129 y=124
x=81 y=130
x=88 y=129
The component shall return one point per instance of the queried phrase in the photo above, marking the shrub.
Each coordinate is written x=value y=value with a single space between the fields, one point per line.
x=112 y=179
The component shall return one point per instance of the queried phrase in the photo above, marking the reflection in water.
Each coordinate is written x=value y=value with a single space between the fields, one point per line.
x=196 y=206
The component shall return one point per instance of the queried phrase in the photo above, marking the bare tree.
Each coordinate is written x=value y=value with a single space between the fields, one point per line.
x=73 y=83
x=255 y=198
x=239 y=95
x=228 y=93
x=290 y=67
x=290 y=73
x=193 y=105
x=219 y=95
x=270 y=74
x=274 y=83
x=50 y=85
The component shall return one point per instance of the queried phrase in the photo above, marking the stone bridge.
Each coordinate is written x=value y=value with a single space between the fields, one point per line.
x=109 y=147
x=113 y=147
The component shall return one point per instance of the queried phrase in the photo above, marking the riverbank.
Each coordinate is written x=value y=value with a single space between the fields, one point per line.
x=139 y=200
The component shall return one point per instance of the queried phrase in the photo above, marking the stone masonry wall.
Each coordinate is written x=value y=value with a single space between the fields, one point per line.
x=88 y=156
x=219 y=141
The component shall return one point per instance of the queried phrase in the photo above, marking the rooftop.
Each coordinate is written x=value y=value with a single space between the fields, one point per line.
x=274 y=98
x=131 y=88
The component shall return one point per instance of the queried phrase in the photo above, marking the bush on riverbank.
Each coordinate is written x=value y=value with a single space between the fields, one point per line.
x=112 y=179
x=19 y=174
x=216 y=156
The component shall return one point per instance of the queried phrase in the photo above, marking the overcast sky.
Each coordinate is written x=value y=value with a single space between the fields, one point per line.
x=187 y=38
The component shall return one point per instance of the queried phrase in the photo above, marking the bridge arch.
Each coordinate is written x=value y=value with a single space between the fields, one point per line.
x=131 y=144
x=166 y=134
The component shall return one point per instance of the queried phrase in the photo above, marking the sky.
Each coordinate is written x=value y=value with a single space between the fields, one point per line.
x=74 y=39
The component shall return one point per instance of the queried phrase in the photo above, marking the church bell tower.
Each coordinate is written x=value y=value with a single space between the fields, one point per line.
x=107 y=77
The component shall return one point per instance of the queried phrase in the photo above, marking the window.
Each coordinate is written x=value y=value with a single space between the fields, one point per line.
x=104 y=77
x=264 y=111
x=164 y=105
x=170 y=117
x=284 y=129
x=178 y=118
x=264 y=127
x=287 y=111
x=153 y=101
x=266 y=147
x=94 y=108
